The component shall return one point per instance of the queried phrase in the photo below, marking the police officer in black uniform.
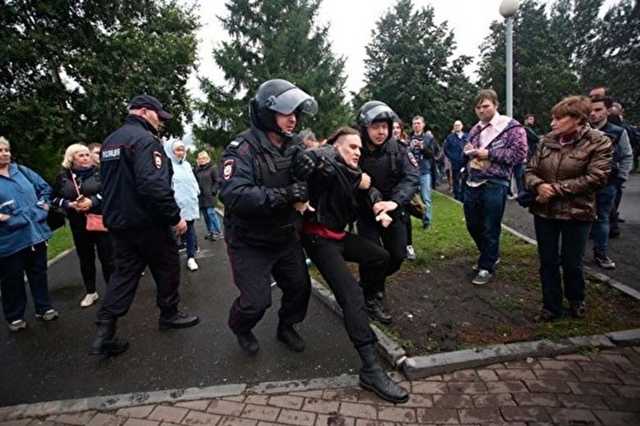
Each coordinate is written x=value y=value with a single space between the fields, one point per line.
x=141 y=213
x=261 y=221
x=336 y=187
x=394 y=172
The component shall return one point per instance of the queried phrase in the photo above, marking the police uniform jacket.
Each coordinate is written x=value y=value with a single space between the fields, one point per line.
x=136 y=179
x=393 y=171
x=334 y=190
x=255 y=175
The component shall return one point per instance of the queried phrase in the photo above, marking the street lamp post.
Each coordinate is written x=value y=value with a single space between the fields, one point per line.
x=508 y=8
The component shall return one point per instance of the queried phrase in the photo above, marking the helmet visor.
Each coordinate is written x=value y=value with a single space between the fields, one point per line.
x=291 y=100
x=379 y=112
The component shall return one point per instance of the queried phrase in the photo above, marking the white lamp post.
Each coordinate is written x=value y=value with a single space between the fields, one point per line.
x=508 y=8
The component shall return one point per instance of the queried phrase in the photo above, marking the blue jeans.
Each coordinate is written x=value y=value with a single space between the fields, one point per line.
x=33 y=261
x=600 y=230
x=211 y=219
x=483 y=211
x=191 y=239
x=425 y=192
x=573 y=234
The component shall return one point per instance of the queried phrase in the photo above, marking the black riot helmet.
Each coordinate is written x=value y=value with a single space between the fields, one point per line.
x=371 y=112
x=279 y=96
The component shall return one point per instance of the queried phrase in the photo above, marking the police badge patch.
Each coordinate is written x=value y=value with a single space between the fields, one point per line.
x=157 y=159
x=227 y=169
x=412 y=159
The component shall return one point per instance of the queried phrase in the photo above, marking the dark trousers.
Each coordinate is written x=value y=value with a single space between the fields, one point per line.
x=483 y=211
x=561 y=243
x=393 y=238
x=614 y=225
x=87 y=243
x=253 y=268
x=191 y=239
x=409 y=231
x=605 y=198
x=135 y=249
x=457 y=184
x=330 y=257
x=33 y=262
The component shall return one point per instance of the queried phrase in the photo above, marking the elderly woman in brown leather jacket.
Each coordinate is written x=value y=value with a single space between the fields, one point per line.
x=572 y=162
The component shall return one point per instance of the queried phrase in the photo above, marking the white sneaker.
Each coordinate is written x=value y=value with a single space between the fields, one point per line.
x=411 y=253
x=17 y=325
x=191 y=264
x=48 y=315
x=89 y=300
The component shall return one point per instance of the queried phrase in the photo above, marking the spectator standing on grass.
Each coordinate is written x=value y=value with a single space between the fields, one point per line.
x=454 y=152
x=186 y=192
x=24 y=206
x=496 y=144
x=399 y=134
x=621 y=164
x=425 y=149
x=78 y=191
x=572 y=162
x=95 y=149
x=207 y=176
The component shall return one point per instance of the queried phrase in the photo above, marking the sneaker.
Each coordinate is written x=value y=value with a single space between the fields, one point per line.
x=17 y=325
x=192 y=265
x=89 y=300
x=218 y=236
x=411 y=253
x=209 y=236
x=495 y=265
x=577 y=309
x=604 y=262
x=48 y=315
x=482 y=277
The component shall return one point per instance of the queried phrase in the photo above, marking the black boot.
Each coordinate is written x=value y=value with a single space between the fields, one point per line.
x=375 y=308
x=248 y=342
x=373 y=377
x=105 y=343
x=290 y=337
x=178 y=320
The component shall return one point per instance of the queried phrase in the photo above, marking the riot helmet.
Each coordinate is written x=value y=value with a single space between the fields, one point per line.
x=373 y=111
x=279 y=96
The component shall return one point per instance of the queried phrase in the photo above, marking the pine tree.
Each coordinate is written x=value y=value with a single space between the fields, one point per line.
x=409 y=66
x=272 y=39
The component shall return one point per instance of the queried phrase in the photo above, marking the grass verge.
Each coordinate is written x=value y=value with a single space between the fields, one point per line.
x=59 y=242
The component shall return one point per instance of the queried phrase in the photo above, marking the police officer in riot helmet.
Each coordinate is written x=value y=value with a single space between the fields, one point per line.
x=262 y=218
x=394 y=172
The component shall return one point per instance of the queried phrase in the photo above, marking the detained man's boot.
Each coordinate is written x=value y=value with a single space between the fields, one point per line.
x=290 y=337
x=373 y=377
x=178 y=320
x=105 y=342
x=375 y=308
x=248 y=342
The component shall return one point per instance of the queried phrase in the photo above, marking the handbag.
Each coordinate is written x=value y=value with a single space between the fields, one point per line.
x=416 y=206
x=94 y=221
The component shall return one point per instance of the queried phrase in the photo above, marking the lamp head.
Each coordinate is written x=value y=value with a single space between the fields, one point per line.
x=508 y=8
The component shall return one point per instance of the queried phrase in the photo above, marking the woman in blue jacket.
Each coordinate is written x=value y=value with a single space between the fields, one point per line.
x=24 y=205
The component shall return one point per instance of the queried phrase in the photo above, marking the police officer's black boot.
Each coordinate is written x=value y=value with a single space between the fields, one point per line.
x=248 y=342
x=178 y=320
x=375 y=308
x=105 y=343
x=373 y=377
x=290 y=337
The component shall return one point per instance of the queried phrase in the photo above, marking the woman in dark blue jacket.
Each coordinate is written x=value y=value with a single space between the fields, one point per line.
x=24 y=205
x=77 y=190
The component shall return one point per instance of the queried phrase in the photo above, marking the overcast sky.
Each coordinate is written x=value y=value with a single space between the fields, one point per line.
x=351 y=23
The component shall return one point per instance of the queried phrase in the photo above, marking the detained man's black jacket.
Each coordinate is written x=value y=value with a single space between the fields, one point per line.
x=136 y=179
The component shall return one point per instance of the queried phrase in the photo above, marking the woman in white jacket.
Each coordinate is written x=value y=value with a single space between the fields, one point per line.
x=185 y=187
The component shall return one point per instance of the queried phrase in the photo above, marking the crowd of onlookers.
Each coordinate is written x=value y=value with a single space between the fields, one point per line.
x=571 y=179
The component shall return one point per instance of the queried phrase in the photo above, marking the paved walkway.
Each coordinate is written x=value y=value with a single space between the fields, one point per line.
x=584 y=389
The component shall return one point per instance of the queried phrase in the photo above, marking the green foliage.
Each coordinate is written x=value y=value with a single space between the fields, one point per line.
x=409 y=67
x=563 y=50
x=69 y=68
x=61 y=241
x=271 y=39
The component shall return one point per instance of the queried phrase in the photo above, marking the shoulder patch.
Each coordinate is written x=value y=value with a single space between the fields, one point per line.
x=228 y=168
x=235 y=144
x=412 y=159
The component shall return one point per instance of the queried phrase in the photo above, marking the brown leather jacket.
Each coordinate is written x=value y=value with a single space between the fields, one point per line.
x=576 y=171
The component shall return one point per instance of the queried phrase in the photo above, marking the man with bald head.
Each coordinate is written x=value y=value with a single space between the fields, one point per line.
x=453 y=150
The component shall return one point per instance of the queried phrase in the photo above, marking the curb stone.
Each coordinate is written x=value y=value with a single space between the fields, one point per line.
x=59 y=256
x=626 y=337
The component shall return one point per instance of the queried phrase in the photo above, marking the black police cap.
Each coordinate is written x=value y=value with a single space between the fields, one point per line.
x=149 y=102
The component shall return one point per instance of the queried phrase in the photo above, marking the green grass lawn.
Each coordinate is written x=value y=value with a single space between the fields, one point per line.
x=59 y=242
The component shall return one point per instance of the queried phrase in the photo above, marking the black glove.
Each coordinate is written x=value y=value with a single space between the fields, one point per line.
x=297 y=192
x=303 y=165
